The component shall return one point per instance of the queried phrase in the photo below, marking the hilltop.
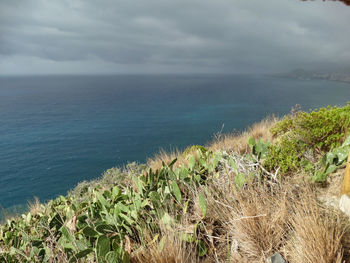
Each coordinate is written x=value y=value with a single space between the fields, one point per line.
x=269 y=192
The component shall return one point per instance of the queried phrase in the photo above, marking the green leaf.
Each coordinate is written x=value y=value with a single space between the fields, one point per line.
x=155 y=198
x=342 y=153
x=138 y=183
x=172 y=162
x=104 y=228
x=161 y=244
x=127 y=219
x=240 y=180
x=37 y=243
x=217 y=158
x=319 y=177
x=176 y=191
x=83 y=253
x=330 y=157
x=331 y=169
x=191 y=162
x=56 y=221
x=116 y=192
x=346 y=142
x=90 y=232
x=107 y=194
x=167 y=219
x=201 y=248
x=15 y=251
x=81 y=244
x=28 y=217
x=190 y=238
x=233 y=165
x=66 y=233
x=102 y=246
x=183 y=172
x=186 y=207
x=251 y=142
x=134 y=214
x=102 y=200
x=113 y=257
x=122 y=207
x=203 y=204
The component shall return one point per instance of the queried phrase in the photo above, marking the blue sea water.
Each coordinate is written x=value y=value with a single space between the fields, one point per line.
x=56 y=131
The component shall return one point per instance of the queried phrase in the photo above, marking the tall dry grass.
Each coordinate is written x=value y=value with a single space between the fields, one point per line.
x=35 y=207
x=156 y=161
x=254 y=218
x=264 y=218
x=320 y=234
x=169 y=249
x=237 y=142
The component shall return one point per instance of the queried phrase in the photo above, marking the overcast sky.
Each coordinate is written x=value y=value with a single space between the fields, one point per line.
x=171 y=36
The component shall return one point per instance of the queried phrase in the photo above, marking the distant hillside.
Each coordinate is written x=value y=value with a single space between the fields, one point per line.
x=307 y=75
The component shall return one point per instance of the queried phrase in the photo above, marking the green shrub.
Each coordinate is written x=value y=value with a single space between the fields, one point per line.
x=95 y=219
x=307 y=135
x=285 y=155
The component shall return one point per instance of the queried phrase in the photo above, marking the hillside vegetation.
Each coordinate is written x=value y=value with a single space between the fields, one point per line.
x=242 y=198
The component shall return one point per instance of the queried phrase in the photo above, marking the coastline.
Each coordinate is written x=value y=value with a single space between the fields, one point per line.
x=301 y=74
x=258 y=188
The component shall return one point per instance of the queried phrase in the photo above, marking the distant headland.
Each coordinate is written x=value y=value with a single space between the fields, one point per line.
x=309 y=75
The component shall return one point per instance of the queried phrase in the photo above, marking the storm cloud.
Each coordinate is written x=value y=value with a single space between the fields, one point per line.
x=172 y=36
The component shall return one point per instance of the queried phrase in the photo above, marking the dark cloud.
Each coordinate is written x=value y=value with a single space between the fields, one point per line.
x=106 y=36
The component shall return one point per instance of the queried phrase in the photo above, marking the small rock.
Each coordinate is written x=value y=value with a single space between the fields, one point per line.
x=331 y=201
x=344 y=204
x=277 y=258
x=234 y=246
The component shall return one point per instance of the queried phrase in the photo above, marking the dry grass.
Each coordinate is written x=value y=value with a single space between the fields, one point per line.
x=167 y=157
x=259 y=222
x=58 y=254
x=319 y=234
x=167 y=249
x=255 y=218
x=262 y=219
x=239 y=142
x=333 y=185
x=35 y=207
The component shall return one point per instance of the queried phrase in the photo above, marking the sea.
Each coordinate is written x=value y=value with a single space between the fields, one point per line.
x=56 y=131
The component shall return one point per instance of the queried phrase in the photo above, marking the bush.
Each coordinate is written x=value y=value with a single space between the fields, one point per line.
x=306 y=136
x=99 y=220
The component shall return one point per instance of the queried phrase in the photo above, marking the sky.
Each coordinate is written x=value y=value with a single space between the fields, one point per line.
x=172 y=36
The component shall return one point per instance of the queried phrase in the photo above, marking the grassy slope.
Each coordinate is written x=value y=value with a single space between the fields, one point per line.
x=219 y=204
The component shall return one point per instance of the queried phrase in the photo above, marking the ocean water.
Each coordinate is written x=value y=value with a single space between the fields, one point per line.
x=56 y=131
